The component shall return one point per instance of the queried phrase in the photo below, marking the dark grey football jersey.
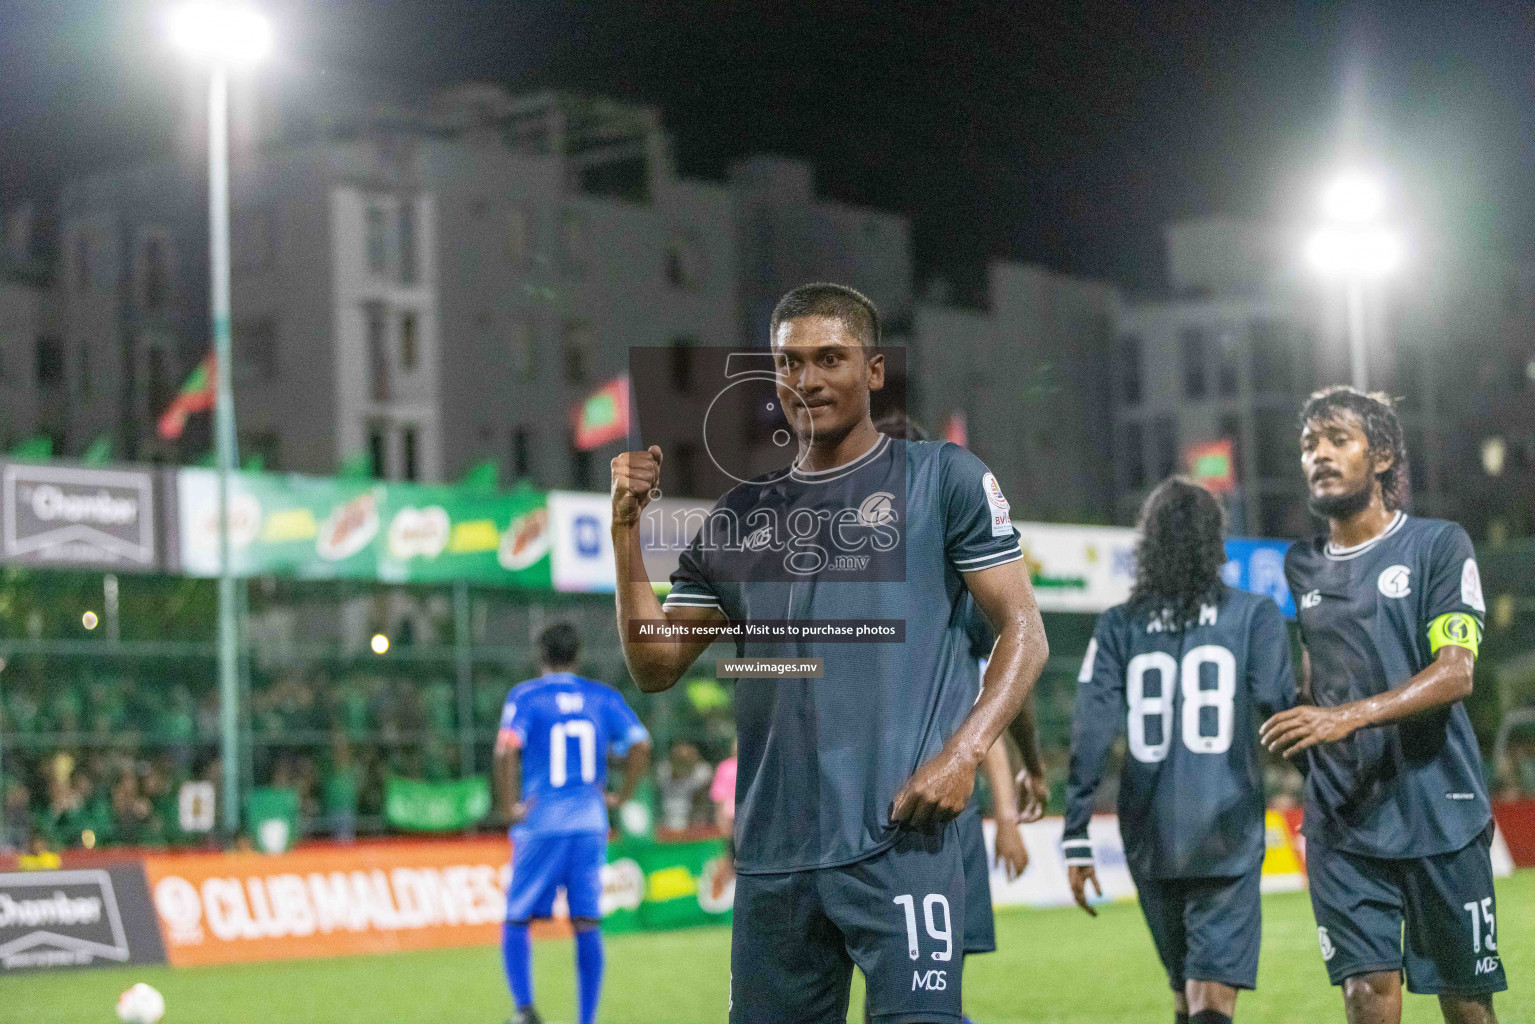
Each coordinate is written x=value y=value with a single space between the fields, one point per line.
x=1189 y=700
x=1372 y=617
x=821 y=760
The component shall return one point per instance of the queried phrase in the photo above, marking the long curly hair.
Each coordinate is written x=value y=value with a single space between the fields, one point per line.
x=1382 y=430
x=1179 y=556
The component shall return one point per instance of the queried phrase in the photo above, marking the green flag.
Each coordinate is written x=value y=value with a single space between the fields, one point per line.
x=357 y=466
x=483 y=476
x=100 y=451
x=36 y=448
x=271 y=815
x=436 y=806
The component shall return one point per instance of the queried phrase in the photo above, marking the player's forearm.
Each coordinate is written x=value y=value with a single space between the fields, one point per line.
x=636 y=763
x=655 y=664
x=999 y=776
x=1444 y=682
x=1014 y=668
x=1026 y=734
x=508 y=772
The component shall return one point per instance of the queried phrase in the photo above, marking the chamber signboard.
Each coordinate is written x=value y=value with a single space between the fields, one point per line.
x=74 y=517
x=80 y=918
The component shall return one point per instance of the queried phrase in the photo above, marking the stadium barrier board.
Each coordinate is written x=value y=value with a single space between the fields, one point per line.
x=79 y=917
x=382 y=897
x=1045 y=883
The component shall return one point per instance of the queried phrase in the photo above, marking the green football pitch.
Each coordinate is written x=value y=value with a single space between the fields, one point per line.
x=1055 y=966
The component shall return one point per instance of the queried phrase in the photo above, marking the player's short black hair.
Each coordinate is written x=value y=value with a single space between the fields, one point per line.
x=559 y=645
x=1180 y=553
x=1382 y=430
x=852 y=307
x=898 y=424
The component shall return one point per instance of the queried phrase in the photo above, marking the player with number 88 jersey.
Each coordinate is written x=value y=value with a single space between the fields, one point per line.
x=1181 y=669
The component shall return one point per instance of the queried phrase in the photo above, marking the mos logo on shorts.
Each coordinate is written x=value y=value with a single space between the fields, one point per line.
x=1395 y=581
x=1328 y=949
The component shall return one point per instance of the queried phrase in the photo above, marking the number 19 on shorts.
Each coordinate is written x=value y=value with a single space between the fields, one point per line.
x=932 y=904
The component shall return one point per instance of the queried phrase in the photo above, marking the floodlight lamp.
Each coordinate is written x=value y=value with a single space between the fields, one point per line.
x=1353 y=198
x=226 y=33
x=1354 y=253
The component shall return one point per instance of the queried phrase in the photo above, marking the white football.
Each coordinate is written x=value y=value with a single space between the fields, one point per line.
x=141 y=1004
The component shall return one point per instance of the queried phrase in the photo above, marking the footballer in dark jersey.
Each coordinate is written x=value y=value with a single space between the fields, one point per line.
x=1183 y=669
x=1397 y=820
x=847 y=851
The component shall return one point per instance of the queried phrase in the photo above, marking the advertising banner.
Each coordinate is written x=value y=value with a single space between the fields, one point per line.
x=370 y=898
x=78 y=518
x=77 y=918
x=1078 y=568
x=582 y=546
x=324 y=528
x=650 y=886
x=1258 y=566
x=436 y=806
x=1045 y=883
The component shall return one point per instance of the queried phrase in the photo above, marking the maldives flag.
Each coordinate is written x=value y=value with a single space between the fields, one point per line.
x=603 y=416
x=196 y=395
x=954 y=430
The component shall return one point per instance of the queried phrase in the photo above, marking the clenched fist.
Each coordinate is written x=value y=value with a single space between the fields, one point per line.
x=635 y=475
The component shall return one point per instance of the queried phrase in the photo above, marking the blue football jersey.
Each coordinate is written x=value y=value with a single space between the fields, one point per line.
x=1189 y=701
x=565 y=727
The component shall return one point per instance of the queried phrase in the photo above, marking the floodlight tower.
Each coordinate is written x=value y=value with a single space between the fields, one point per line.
x=1355 y=246
x=223 y=36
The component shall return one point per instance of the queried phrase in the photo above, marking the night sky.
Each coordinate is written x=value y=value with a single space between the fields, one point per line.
x=1063 y=134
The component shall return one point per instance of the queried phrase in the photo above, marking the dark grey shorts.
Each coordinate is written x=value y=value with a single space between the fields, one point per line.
x=1205 y=929
x=898 y=915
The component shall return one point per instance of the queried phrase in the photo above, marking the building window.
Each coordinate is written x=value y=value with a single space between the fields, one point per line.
x=580 y=469
x=252 y=244
x=684 y=262
x=1272 y=361
x=158 y=390
x=376 y=241
x=1164 y=447
x=84 y=261
x=682 y=364
x=408 y=342
x=522 y=452
x=83 y=374
x=50 y=362
x=572 y=242
x=519 y=341
x=408 y=453
x=685 y=473
x=1132 y=457
x=378 y=353
x=408 y=266
x=255 y=350
x=1228 y=356
x=1191 y=341
x=576 y=351
x=378 y=452
x=517 y=234
x=1278 y=445
x=155 y=273
x=1130 y=369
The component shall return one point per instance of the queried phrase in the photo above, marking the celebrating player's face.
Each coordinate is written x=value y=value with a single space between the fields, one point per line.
x=824 y=377
x=1339 y=466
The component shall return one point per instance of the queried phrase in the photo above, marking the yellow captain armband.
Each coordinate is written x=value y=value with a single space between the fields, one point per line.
x=1455 y=629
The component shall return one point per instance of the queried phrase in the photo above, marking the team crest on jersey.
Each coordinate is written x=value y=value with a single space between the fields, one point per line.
x=1328 y=949
x=878 y=509
x=1395 y=581
x=1001 y=518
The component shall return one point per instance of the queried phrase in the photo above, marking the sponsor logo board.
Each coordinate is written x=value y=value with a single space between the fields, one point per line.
x=73 y=516
x=77 y=918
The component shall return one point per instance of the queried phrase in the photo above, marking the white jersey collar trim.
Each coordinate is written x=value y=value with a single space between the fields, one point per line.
x=1338 y=554
x=837 y=472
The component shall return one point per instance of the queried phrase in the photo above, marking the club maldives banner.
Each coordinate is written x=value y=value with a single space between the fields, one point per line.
x=325 y=528
x=383 y=897
x=1044 y=883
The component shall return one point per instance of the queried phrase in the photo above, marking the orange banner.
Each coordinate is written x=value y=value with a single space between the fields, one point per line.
x=333 y=901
